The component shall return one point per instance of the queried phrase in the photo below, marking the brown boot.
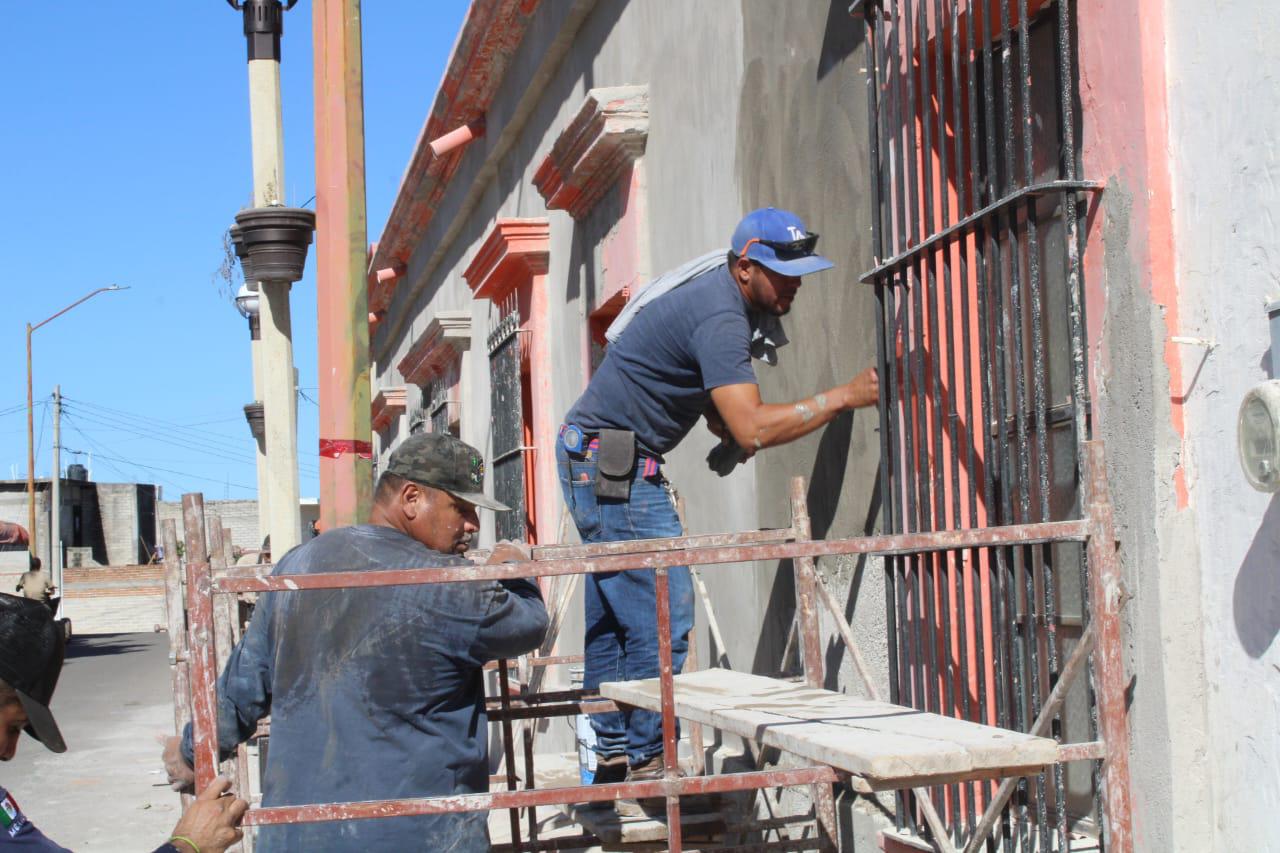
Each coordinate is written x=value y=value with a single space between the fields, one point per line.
x=649 y=771
x=610 y=769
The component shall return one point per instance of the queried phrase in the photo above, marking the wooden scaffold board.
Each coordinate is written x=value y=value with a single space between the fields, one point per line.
x=889 y=746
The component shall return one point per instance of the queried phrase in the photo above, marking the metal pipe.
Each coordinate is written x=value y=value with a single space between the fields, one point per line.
x=666 y=682
x=508 y=747
x=200 y=592
x=407 y=807
x=975 y=220
x=253 y=579
x=899 y=499
x=806 y=580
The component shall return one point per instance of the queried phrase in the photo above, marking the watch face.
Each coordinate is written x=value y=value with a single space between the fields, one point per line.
x=1259 y=437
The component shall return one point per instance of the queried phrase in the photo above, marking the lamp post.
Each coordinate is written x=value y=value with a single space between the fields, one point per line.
x=248 y=301
x=31 y=439
x=275 y=238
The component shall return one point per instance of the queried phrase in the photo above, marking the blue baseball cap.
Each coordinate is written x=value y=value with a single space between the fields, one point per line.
x=778 y=240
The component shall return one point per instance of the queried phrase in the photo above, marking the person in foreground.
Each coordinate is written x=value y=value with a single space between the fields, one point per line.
x=681 y=350
x=378 y=693
x=31 y=652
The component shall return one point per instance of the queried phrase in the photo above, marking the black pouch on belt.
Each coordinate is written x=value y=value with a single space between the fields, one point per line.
x=615 y=464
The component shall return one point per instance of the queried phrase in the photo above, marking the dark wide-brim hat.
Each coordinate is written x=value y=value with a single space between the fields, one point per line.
x=32 y=647
x=443 y=462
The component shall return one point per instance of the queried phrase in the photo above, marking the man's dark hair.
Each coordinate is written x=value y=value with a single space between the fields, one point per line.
x=8 y=696
x=733 y=258
x=388 y=486
x=35 y=563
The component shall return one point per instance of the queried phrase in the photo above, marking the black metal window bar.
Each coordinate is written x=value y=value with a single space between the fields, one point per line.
x=439 y=409
x=981 y=346
x=507 y=416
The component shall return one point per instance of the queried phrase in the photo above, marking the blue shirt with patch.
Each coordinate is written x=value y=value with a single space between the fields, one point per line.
x=374 y=693
x=19 y=833
x=656 y=379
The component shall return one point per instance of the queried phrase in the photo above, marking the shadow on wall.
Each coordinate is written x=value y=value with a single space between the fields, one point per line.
x=1256 y=603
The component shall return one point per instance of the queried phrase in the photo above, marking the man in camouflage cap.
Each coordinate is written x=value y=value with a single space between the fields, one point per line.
x=378 y=693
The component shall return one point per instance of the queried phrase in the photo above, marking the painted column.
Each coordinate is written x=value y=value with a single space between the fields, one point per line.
x=346 y=471
x=545 y=418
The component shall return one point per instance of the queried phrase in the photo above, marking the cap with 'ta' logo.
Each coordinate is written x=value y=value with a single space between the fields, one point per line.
x=778 y=239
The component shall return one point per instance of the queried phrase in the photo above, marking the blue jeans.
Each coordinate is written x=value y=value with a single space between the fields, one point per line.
x=621 y=607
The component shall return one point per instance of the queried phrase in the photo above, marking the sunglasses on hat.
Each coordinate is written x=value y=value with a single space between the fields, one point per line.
x=795 y=248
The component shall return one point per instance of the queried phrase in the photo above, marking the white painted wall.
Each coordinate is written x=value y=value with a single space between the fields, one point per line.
x=1223 y=68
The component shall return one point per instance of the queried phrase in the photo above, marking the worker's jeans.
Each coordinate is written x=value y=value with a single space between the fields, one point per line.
x=621 y=614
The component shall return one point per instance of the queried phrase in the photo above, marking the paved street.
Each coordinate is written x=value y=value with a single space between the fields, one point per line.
x=107 y=791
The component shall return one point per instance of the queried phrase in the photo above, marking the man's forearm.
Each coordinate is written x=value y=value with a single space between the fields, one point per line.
x=780 y=423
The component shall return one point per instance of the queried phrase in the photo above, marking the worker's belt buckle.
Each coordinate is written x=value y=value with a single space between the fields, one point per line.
x=573 y=438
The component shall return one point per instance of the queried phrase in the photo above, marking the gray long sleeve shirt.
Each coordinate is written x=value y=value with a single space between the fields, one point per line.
x=373 y=693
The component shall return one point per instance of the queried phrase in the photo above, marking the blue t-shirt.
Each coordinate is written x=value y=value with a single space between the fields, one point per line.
x=656 y=379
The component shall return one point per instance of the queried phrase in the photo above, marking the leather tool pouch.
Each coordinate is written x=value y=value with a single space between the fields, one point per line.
x=615 y=464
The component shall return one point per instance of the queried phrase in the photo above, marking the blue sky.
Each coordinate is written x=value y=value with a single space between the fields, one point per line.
x=126 y=156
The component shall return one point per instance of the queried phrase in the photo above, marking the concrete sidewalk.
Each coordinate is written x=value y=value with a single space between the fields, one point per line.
x=107 y=792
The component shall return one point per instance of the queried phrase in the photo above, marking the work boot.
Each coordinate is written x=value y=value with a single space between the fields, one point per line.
x=650 y=770
x=610 y=769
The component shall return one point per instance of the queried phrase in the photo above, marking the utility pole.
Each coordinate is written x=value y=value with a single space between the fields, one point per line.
x=31 y=442
x=263 y=27
x=346 y=468
x=55 y=500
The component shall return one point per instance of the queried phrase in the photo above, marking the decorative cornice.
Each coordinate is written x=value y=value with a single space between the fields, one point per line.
x=488 y=40
x=446 y=337
x=387 y=405
x=514 y=250
x=606 y=136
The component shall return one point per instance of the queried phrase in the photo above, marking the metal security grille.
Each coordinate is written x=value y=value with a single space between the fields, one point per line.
x=984 y=405
x=439 y=409
x=507 y=413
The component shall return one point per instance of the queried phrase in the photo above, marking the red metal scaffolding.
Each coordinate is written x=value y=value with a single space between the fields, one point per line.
x=209 y=583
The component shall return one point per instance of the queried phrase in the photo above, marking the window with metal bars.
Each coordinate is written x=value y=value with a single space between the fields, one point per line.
x=984 y=404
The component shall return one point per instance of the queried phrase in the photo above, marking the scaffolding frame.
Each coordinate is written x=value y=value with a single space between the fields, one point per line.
x=209 y=583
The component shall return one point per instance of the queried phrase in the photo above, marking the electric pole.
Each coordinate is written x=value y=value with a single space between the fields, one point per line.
x=55 y=501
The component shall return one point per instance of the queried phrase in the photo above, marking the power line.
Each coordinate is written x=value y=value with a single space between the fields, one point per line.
x=225 y=452
x=96 y=449
x=152 y=421
x=110 y=416
x=134 y=464
x=44 y=413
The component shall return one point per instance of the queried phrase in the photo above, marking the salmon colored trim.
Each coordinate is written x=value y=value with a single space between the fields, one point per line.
x=1126 y=134
x=513 y=259
x=388 y=404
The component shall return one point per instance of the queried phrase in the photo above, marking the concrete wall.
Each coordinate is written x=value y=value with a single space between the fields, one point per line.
x=127 y=512
x=1222 y=70
x=1138 y=395
x=241 y=516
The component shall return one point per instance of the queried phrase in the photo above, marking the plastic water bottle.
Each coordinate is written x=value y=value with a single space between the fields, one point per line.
x=585 y=736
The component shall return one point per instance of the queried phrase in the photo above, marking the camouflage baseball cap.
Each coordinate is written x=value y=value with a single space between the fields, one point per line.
x=443 y=462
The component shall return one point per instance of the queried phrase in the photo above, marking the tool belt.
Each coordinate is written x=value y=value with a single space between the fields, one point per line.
x=616 y=464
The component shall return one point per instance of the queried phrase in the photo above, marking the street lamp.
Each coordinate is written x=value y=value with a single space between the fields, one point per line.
x=31 y=441
x=247 y=304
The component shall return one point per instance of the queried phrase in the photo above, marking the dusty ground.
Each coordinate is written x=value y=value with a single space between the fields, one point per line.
x=107 y=791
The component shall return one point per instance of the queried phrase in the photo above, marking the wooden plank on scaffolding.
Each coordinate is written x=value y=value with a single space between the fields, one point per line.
x=887 y=744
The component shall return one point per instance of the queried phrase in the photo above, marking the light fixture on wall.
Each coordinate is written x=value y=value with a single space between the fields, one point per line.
x=1258 y=427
